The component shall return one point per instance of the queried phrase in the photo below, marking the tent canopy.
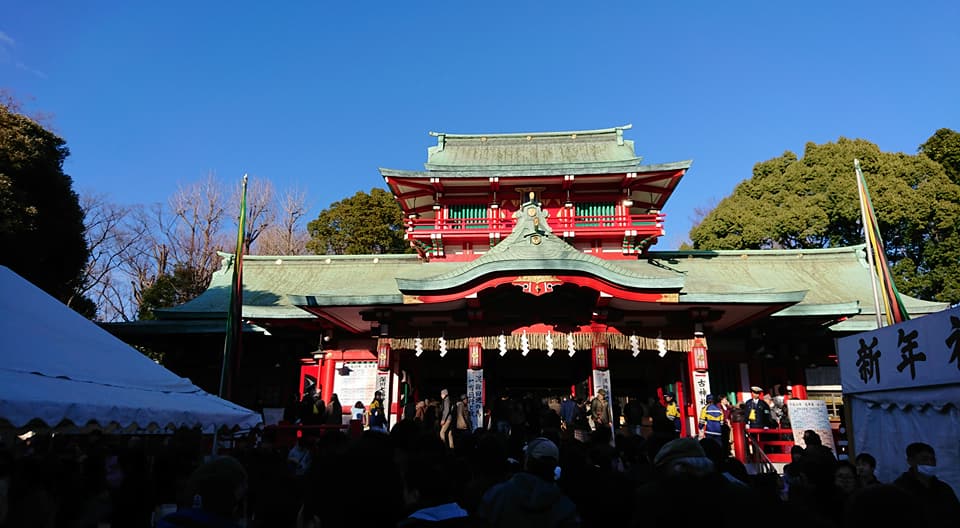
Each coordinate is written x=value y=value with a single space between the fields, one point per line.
x=58 y=368
x=903 y=384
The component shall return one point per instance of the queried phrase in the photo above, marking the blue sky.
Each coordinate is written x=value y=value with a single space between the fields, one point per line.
x=319 y=94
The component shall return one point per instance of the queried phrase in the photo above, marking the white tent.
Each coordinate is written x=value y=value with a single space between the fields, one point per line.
x=903 y=384
x=60 y=368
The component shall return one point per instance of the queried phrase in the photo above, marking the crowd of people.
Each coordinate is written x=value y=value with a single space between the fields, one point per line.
x=531 y=470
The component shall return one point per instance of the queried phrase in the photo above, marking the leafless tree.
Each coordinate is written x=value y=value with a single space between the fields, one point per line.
x=261 y=212
x=287 y=236
x=196 y=233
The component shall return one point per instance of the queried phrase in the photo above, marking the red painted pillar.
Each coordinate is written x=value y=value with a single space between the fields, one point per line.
x=739 y=443
x=800 y=392
x=327 y=371
x=682 y=407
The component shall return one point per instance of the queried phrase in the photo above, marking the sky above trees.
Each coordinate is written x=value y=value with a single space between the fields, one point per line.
x=152 y=95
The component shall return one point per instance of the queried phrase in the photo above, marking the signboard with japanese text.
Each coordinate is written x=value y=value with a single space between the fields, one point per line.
x=355 y=381
x=915 y=353
x=700 y=381
x=812 y=415
x=475 y=396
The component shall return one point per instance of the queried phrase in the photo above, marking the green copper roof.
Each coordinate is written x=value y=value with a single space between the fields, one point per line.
x=825 y=281
x=494 y=151
x=533 y=248
x=835 y=279
x=538 y=170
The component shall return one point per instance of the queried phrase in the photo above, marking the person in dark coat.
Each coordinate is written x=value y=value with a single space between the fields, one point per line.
x=335 y=411
x=531 y=498
x=757 y=411
x=937 y=502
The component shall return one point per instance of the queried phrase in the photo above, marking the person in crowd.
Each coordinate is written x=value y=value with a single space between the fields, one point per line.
x=531 y=498
x=726 y=426
x=866 y=470
x=936 y=499
x=428 y=489
x=377 y=414
x=600 y=409
x=463 y=418
x=359 y=412
x=312 y=408
x=335 y=411
x=845 y=484
x=446 y=418
x=758 y=412
x=711 y=420
x=633 y=415
x=672 y=411
x=772 y=419
x=300 y=456
x=215 y=497
x=568 y=411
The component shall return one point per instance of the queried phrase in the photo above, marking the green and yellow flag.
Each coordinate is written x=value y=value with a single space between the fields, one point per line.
x=231 y=345
x=892 y=304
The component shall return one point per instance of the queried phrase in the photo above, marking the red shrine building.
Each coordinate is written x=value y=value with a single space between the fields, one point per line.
x=533 y=273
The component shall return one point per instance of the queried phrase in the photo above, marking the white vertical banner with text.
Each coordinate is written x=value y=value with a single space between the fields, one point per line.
x=475 y=397
x=700 y=385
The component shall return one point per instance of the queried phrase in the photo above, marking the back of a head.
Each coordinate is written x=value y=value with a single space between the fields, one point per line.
x=918 y=448
x=218 y=486
x=682 y=456
x=882 y=505
x=541 y=457
x=811 y=438
x=430 y=476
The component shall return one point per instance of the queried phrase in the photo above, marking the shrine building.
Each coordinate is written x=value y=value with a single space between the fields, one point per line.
x=533 y=274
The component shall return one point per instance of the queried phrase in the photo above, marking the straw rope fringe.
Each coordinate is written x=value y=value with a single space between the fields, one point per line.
x=539 y=342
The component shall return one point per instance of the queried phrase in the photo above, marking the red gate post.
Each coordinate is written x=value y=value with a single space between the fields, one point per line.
x=737 y=432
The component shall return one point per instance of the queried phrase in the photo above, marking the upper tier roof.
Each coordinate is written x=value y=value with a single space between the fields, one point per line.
x=466 y=152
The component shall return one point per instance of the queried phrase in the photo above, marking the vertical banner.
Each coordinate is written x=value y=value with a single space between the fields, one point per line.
x=383 y=385
x=601 y=380
x=700 y=383
x=475 y=397
x=810 y=414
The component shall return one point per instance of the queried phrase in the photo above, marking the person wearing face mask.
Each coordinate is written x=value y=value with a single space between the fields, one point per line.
x=936 y=499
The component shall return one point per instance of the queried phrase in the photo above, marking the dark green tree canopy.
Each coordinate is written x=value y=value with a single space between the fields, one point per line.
x=41 y=222
x=944 y=148
x=362 y=224
x=812 y=202
x=170 y=289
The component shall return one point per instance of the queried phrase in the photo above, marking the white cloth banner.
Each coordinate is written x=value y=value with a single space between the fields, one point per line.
x=915 y=353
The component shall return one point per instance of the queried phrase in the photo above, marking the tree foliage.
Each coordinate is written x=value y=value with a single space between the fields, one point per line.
x=362 y=224
x=944 y=148
x=169 y=289
x=812 y=202
x=41 y=222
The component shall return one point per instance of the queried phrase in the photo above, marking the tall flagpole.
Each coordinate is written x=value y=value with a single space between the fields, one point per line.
x=232 y=341
x=235 y=313
x=866 y=233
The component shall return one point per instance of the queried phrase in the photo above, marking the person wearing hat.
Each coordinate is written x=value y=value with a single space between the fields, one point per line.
x=531 y=498
x=711 y=420
x=673 y=412
x=600 y=409
x=757 y=411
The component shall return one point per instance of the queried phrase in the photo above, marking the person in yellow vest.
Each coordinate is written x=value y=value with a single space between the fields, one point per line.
x=673 y=412
x=711 y=421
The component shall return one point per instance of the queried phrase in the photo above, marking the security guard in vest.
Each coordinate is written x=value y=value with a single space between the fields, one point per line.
x=711 y=420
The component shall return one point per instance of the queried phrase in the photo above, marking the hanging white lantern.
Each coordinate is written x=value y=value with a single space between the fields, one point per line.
x=549 y=344
x=442 y=343
x=661 y=345
x=418 y=346
x=570 y=346
x=635 y=345
x=502 y=344
x=524 y=344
